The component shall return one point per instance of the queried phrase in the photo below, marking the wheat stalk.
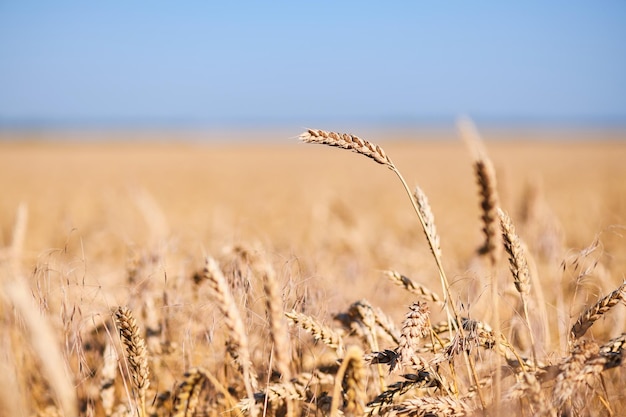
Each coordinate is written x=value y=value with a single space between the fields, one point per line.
x=375 y=152
x=136 y=354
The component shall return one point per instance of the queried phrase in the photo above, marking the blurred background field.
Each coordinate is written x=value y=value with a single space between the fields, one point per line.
x=340 y=216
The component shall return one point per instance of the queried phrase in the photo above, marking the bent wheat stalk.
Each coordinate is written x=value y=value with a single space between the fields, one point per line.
x=375 y=152
x=421 y=207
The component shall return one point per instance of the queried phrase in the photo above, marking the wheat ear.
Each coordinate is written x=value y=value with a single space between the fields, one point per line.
x=278 y=332
x=519 y=268
x=347 y=141
x=320 y=332
x=415 y=327
x=412 y=287
x=593 y=313
x=350 y=379
x=429 y=406
x=238 y=345
x=135 y=353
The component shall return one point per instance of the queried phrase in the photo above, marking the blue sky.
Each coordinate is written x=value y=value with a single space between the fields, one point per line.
x=303 y=63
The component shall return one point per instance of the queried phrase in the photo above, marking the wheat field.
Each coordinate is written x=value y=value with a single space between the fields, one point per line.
x=157 y=275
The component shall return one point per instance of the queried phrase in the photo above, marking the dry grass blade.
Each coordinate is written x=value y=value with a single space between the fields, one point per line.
x=136 y=353
x=593 y=313
x=347 y=141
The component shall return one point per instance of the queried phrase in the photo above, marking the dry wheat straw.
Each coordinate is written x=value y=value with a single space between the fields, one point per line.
x=593 y=313
x=136 y=354
x=238 y=344
x=325 y=334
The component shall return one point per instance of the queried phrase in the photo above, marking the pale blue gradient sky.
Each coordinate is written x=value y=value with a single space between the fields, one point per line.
x=302 y=63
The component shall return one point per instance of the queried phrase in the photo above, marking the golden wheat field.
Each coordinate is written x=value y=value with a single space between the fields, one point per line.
x=162 y=275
